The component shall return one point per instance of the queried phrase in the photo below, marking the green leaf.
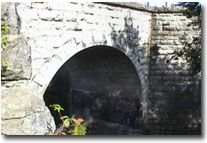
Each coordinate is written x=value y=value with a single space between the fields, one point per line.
x=72 y=120
x=4 y=27
x=66 y=123
x=5 y=63
x=79 y=129
x=4 y=40
x=57 y=107
x=64 y=117
x=47 y=133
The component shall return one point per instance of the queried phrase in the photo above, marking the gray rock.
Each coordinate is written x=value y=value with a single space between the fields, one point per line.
x=18 y=54
x=23 y=113
x=9 y=17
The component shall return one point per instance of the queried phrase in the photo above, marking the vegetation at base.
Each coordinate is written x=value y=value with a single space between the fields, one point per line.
x=191 y=51
x=69 y=126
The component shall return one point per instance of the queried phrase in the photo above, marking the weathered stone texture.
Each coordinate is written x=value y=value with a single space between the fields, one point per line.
x=174 y=93
x=9 y=17
x=23 y=113
x=56 y=32
x=18 y=54
x=51 y=33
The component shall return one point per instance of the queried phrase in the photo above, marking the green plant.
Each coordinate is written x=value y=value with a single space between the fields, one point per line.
x=4 y=42
x=4 y=63
x=69 y=126
x=191 y=50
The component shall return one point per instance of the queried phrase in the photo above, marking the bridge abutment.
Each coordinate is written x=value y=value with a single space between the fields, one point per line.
x=55 y=33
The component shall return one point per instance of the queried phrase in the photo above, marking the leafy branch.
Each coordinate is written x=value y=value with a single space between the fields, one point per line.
x=70 y=126
x=191 y=50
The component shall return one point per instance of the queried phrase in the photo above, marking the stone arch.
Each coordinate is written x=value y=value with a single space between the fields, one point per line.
x=47 y=71
x=116 y=80
x=42 y=78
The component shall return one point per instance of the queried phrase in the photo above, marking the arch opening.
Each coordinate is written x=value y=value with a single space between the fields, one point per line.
x=99 y=84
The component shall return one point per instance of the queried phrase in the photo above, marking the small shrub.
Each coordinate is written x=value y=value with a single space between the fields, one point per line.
x=69 y=126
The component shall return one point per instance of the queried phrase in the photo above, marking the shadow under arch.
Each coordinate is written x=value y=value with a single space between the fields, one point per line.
x=101 y=85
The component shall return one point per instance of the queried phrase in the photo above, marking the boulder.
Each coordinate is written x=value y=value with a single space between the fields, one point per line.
x=23 y=113
x=18 y=54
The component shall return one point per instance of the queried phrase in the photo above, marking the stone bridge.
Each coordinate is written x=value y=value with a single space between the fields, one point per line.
x=121 y=50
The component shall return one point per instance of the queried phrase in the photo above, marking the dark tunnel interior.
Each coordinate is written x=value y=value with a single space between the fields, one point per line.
x=99 y=84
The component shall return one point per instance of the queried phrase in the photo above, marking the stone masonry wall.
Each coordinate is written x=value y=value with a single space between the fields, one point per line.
x=57 y=31
x=51 y=33
x=175 y=95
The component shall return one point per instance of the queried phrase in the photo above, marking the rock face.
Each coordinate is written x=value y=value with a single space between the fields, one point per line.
x=18 y=54
x=9 y=17
x=22 y=113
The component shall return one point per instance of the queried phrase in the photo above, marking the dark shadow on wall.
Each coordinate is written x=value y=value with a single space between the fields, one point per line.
x=128 y=41
x=175 y=98
x=174 y=94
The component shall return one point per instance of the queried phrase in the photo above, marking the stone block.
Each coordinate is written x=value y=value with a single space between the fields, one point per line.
x=47 y=15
